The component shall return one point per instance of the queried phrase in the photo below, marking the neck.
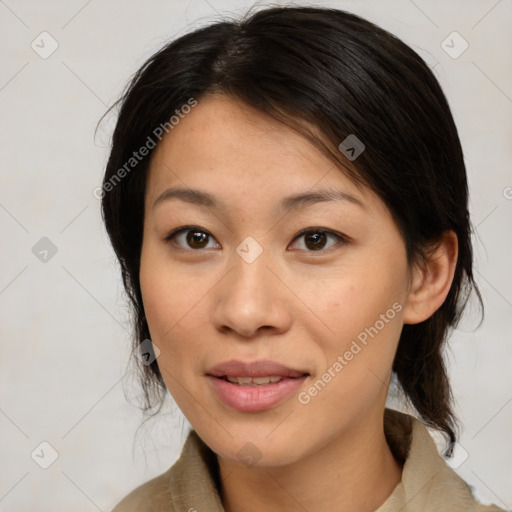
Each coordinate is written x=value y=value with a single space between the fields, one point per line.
x=354 y=472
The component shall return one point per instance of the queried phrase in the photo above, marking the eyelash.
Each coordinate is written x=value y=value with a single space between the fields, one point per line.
x=343 y=239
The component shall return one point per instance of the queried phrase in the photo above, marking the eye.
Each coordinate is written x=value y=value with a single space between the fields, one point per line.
x=316 y=239
x=194 y=236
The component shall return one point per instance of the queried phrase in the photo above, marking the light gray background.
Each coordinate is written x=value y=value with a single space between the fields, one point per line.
x=64 y=322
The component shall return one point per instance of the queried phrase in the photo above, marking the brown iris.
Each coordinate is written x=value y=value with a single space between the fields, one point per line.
x=197 y=239
x=315 y=241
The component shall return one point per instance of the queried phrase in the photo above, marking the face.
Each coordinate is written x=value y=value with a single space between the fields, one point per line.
x=313 y=288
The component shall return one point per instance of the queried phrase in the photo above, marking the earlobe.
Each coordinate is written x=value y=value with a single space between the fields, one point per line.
x=432 y=280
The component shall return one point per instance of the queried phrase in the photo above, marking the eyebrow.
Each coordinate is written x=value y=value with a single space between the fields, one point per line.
x=200 y=198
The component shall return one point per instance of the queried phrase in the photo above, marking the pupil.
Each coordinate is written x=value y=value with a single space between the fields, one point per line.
x=195 y=238
x=318 y=241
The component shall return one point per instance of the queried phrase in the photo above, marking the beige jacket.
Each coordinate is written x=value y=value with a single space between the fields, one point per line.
x=428 y=484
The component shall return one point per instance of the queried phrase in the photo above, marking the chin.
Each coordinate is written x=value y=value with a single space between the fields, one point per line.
x=257 y=450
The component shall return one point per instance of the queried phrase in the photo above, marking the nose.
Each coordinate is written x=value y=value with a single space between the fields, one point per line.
x=252 y=298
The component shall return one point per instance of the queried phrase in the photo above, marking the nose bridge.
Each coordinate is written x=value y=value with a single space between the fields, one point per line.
x=249 y=297
x=250 y=268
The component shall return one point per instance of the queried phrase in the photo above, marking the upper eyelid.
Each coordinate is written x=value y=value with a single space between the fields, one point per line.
x=182 y=229
x=320 y=230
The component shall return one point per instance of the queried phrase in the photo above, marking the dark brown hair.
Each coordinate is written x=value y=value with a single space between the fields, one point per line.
x=334 y=71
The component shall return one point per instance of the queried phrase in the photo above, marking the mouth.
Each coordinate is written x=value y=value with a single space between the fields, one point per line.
x=257 y=386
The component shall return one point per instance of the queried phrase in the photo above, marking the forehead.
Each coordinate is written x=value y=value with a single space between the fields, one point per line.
x=227 y=146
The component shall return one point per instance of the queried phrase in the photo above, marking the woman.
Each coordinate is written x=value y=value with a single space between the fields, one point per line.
x=287 y=198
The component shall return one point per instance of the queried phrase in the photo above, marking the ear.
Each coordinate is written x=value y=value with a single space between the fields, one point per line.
x=431 y=281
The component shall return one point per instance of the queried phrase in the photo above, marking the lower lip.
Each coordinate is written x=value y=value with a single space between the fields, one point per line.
x=254 y=398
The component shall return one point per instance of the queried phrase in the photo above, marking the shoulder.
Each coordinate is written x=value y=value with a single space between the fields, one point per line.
x=189 y=482
x=151 y=496
x=428 y=483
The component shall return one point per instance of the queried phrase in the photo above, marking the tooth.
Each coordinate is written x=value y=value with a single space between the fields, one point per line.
x=240 y=380
x=247 y=381
x=261 y=380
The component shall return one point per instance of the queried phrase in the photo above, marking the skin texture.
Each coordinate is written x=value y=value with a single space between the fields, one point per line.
x=294 y=305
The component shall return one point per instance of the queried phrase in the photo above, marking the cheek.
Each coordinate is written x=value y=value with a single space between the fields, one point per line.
x=363 y=312
x=356 y=301
x=166 y=295
x=357 y=359
x=156 y=299
x=166 y=304
x=174 y=306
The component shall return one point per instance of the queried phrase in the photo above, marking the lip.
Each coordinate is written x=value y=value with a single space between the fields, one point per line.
x=258 y=397
x=254 y=398
x=236 y=368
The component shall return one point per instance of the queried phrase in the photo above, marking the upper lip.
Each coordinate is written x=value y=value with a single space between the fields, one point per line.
x=235 y=368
